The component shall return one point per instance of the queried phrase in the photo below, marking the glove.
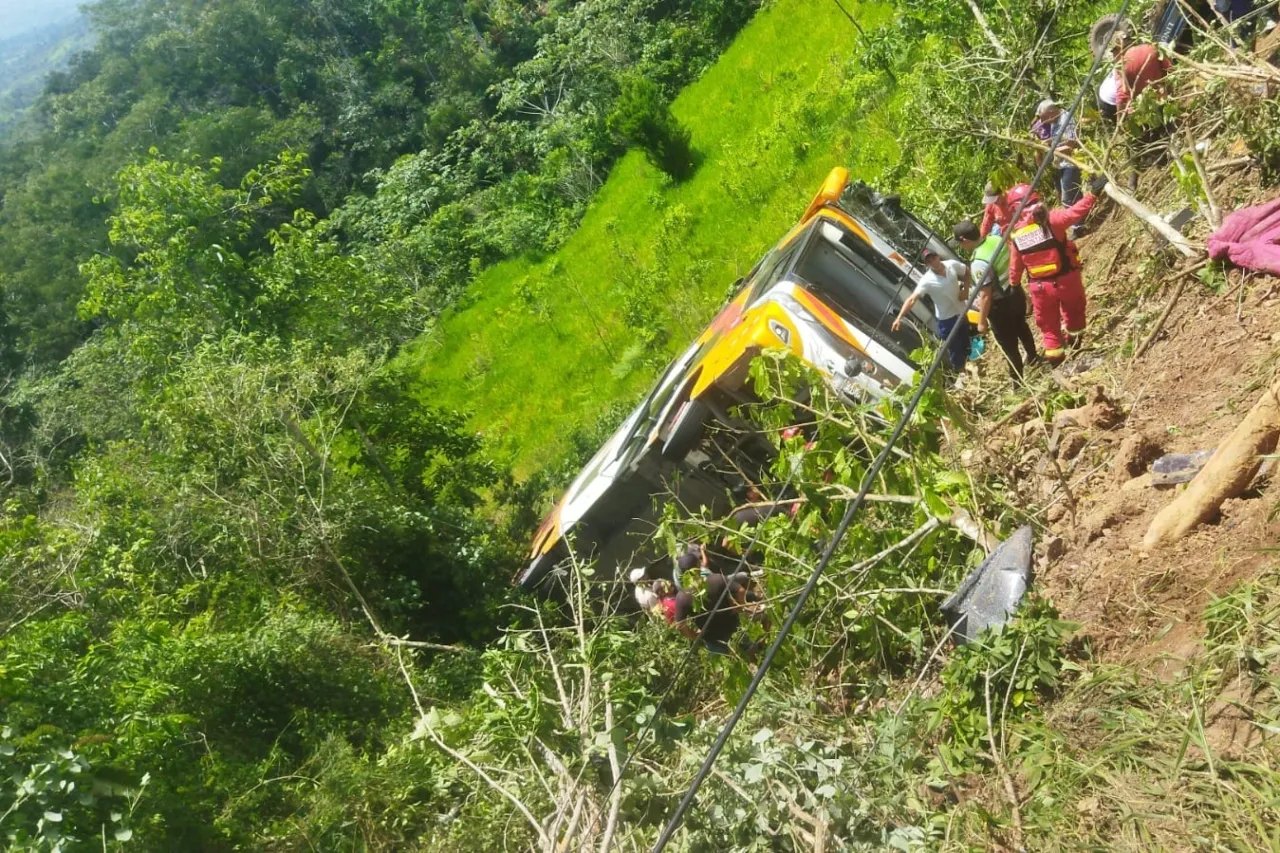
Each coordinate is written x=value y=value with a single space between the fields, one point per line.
x=1097 y=184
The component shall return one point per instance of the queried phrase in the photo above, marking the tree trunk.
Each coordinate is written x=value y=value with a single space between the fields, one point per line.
x=1228 y=473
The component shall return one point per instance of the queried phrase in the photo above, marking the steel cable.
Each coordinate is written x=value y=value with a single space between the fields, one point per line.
x=717 y=747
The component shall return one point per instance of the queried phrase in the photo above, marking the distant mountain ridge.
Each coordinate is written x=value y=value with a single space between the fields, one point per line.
x=27 y=59
x=19 y=17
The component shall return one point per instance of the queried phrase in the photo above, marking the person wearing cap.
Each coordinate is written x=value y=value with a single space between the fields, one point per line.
x=1041 y=248
x=946 y=283
x=1000 y=306
x=1052 y=120
x=997 y=215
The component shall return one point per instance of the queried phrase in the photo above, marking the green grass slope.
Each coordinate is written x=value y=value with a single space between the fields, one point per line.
x=544 y=347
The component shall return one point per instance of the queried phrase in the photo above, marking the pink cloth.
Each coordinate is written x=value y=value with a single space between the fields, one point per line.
x=1250 y=238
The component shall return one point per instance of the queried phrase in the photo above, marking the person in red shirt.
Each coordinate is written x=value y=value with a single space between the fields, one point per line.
x=998 y=213
x=1039 y=247
x=1140 y=66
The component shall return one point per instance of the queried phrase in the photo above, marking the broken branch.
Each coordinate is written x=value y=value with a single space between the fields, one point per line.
x=1168 y=309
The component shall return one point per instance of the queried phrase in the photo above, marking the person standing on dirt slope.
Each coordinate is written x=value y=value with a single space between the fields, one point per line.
x=1051 y=120
x=1002 y=306
x=946 y=283
x=1040 y=248
x=997 y=215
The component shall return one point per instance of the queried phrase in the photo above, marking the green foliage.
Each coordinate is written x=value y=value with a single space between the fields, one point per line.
x=679 y=246
x=643 y=118
x=498 y=107
x=28 y=57
x=224 y=506
x=1001 y=673
x=57 y=800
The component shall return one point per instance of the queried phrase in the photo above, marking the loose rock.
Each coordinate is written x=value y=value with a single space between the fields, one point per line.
x=1136 y=452
x=1070 y=445
x=1137 y=484
x=1098 y=413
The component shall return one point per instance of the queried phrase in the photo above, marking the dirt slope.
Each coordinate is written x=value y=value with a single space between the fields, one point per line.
x=1216 y=353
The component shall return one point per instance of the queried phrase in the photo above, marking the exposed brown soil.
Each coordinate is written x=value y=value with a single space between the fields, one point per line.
x=1216 y=355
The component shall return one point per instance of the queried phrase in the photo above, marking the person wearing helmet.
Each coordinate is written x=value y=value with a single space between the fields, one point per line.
x=1040 y=248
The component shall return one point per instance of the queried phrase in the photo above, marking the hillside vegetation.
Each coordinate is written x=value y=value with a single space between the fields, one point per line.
x=545 y=346
x=27 y=59
x=542 y=345
x=307 y=306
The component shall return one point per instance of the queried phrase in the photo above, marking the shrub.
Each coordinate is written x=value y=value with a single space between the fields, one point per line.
x=643 y=118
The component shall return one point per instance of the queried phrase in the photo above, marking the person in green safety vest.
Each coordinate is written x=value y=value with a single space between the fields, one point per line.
x=1000 y=306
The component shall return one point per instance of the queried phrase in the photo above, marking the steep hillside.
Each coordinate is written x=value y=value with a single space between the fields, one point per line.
x=542 y=347
x=27 y=59
x=255 y=559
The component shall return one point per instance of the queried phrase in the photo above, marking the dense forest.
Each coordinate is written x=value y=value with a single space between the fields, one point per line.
x=254 y=573
x=217 y=225
x=27 y=58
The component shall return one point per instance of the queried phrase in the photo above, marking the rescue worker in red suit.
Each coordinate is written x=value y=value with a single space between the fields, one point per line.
x=1039 y=247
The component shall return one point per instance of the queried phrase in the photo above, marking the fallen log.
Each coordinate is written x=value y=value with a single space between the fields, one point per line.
x=1229 y=472
x=1151 y=218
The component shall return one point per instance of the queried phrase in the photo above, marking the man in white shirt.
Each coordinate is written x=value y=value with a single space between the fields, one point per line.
x=946 y=283
x=1107 y=92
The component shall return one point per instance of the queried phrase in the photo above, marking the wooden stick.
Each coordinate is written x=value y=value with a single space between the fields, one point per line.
x=1137 y=208
x=1234 y=163
x=1168 y=309
x=615 y=801
x=1215 y=212
x=489 y=780
x=1010 y=792
x=421 y=644
x=1140 y=210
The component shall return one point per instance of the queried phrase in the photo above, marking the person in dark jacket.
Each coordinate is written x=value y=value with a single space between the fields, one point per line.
x=1001 y=307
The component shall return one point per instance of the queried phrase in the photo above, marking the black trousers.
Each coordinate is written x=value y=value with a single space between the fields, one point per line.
x=1008 y=319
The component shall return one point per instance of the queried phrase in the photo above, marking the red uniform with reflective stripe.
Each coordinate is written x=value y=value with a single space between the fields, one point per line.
x=1055 y=294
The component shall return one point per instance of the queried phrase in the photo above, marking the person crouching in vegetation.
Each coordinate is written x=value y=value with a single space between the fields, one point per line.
x=1040 y=248
x=1001 y=306
x=1140 y=66
x=946 y=283
x=680 y=609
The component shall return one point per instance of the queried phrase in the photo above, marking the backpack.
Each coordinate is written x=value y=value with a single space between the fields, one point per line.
x=1044 y=255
